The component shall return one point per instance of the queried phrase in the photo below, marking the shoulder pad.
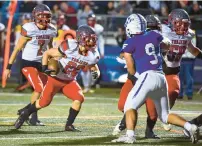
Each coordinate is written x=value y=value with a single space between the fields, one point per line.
x=52 y=27
x=29 y=26
x=165 y=28
x=99 y=28
x=191 y=32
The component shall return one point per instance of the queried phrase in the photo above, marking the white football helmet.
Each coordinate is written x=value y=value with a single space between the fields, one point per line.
x=135 y=24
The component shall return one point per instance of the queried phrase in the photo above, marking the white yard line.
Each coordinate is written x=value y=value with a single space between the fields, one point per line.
x=60 y=117
x=58 y=104
x=49 y=137
x=73 y=137
x=60 y=95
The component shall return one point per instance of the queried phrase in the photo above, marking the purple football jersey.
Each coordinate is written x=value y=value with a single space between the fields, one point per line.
x=145 y=49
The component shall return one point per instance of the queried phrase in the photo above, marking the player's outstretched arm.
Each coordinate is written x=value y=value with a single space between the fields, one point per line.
x=53 y=52
x=195 y=50
x=130 y=63
x=19 y=46
x=165 y=44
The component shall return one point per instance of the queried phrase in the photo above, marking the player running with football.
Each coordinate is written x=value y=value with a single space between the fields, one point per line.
x=145 y=48
x=35 y=38
x=74 y=56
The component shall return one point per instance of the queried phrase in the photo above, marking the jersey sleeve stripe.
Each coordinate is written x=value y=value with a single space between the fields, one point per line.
x=64 y=46
x=23 y=32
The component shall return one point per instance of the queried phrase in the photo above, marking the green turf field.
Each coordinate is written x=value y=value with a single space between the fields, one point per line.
x=96 y=120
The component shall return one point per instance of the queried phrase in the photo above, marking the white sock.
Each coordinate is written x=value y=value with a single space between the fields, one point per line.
x=187 y=126
x=130 y=133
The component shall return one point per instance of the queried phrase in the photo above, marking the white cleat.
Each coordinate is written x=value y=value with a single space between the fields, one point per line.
x=194 y=134
x=186 y=133
x=124 y=139
x=116 y=130
x=166 y=127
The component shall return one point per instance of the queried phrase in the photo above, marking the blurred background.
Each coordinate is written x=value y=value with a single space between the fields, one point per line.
x=110 y=15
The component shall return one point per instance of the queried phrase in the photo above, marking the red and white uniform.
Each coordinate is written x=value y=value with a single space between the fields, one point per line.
x=172 y=59
x=65 y=80
x=74 y=61
x=178 y=47
x=35 y=47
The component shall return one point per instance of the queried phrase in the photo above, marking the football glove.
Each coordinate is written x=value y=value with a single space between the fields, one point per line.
x=94 y=75
x=46 y=70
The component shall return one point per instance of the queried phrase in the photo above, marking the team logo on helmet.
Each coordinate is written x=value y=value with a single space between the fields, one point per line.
x=179 y=21
x=153 y=22
x=86 y=37
x=135 y=24
x=42 y=14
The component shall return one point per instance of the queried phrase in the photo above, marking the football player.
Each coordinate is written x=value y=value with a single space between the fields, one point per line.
x=35 y=38
x=74 y=56
x=153 y=23
x=179 y=32
x=145 y=48
x=85 y=74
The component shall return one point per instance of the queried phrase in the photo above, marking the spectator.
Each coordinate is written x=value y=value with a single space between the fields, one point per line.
x=164 y=10
x=66 y=9
x=120 y=36
x=186 y=73
x=195 y=9
x=61 y=22
x=83 y=14
x=110 y=8
x=155 y=6
x=26 y=6
x=180 y=4
x=124 y=8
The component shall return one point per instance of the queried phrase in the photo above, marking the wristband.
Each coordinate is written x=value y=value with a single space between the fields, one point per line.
x=9 y=66
x=44 y=67
x=199 y=56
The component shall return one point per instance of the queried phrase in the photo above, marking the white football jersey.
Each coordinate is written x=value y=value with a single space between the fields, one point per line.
x=179 y=45
x=74 y=61
x=35 y=47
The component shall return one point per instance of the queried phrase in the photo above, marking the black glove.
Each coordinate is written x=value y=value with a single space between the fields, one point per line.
x=94 y=75
x=46 y=70
x=132 y=78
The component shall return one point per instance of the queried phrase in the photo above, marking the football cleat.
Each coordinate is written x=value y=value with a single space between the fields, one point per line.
x=125 y=139
x=150 y=134
x=33 y=122
x=186 y=133
x=194 y=134
x=118 y=128
x=166 y=127
x=71 y=128
x=21 y=119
